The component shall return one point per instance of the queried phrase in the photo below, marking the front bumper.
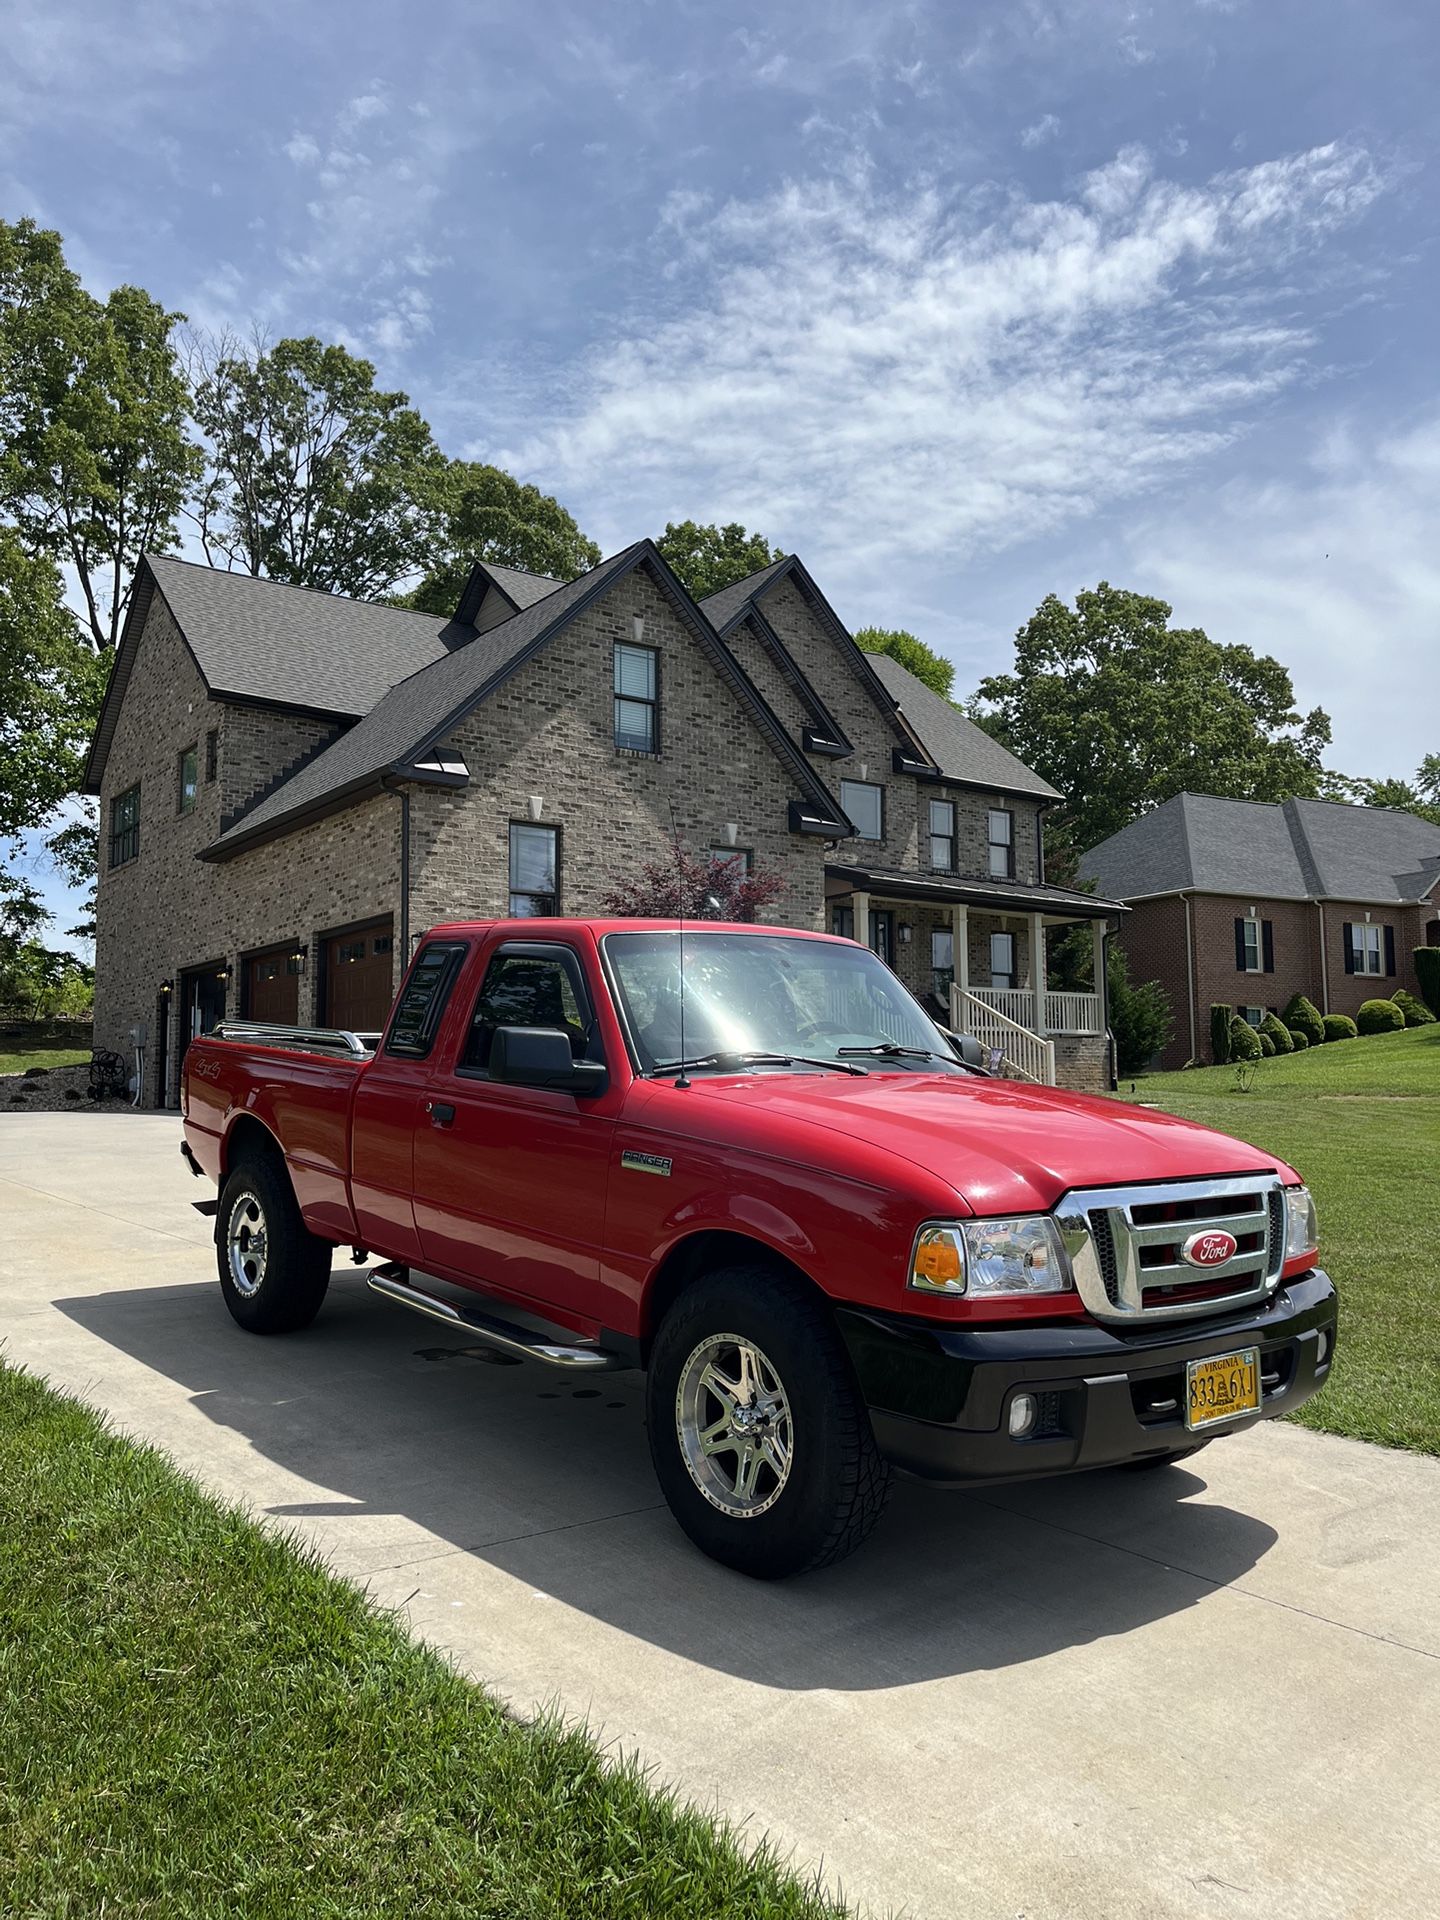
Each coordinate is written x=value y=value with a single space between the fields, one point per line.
x=939 y=1397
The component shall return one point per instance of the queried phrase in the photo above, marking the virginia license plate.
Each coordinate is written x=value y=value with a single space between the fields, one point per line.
x=1222 y=1388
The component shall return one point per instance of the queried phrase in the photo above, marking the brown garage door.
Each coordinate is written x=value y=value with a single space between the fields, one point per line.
x=359 y=977
x=272 y=987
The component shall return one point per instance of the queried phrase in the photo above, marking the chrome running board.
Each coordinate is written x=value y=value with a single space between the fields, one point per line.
x=395 y=1284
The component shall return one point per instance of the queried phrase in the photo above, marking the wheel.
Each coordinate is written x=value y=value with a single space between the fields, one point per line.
x=761 y=1442
x=273 y=1270
x=1150 y=1461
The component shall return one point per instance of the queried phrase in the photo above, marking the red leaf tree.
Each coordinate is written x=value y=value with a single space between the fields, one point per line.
x=686 y=885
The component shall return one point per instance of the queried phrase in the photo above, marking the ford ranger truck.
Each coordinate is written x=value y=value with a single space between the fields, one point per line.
x=747 y=1161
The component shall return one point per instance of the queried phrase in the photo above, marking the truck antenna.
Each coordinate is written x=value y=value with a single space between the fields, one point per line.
x=682 y=1079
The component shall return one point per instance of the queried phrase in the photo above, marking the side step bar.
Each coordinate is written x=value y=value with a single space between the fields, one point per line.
x=395 y=1284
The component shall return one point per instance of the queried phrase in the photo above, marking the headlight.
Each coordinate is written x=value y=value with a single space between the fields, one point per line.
x=1301 y=1237
x=989 y=1258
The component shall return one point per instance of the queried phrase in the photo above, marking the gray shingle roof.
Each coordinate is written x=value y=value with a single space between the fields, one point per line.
x=721 y=608
x=524 y=589
x=1008 y=896
x=1295 y=850
x=960 y=749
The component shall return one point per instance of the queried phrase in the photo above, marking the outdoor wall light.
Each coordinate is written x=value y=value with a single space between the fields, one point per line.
x=299 y=955
x=537 y=806
x=906 y=930
x=222 y=974
x=732 y=832
x=167 y=987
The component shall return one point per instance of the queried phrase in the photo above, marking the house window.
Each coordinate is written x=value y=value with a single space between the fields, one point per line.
x=212 y=754
x=842 y=922
x=865 y=804
x=637 y=675
x=1367 y=944
x=942 y=835
x=942 y=962
x=1254 y=1016
x=1254 y=946
x=534 y=870
x=1000 y=830
x=1002 y=960
x=189 y=783
x=125 y=826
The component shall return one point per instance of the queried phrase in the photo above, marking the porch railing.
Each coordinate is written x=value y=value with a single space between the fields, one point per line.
x=1064 y=1012
x=1024 y=1055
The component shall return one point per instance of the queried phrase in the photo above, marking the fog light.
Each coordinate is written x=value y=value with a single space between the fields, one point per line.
x=1322 y=1349
x=1022 y=1415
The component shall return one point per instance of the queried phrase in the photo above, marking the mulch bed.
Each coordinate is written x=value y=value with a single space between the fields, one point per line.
x=54 y=1090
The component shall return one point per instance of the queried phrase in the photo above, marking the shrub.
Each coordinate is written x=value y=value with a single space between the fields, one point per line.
x=1267 y=1045
x=1299 y=1039
x=1140 y=1015
x=1339 y=1026
x=1416 y=1013
x=1220 y=1018
x=1303 y=1015
x=1244 y=1040
x=1277 y=1034
x=1427 y=972
x=1379 y=1016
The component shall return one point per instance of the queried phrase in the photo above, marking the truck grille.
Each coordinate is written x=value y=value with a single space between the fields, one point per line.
x=1126 y=1245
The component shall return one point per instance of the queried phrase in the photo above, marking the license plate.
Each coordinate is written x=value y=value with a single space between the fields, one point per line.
x=1223 y=1388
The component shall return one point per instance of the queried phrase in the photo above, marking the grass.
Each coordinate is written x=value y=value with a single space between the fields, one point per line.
x=44 y=1045
x=1359 y=1120
x=197 y=1720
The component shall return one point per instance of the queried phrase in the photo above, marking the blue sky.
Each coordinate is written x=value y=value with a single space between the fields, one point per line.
x=965 y=304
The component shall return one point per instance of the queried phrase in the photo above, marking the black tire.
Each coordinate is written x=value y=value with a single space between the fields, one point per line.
x=1150 y=1461
x=836 y=1484
x=278 y=1284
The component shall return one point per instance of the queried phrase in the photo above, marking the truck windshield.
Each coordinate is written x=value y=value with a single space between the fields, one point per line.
x=796 y=1002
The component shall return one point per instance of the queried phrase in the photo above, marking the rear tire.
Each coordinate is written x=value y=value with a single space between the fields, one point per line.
x=273 y=1271
x=761 y=1442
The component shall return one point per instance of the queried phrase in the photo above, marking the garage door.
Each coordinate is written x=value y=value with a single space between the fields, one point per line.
x=359 y=977
x=272 y=987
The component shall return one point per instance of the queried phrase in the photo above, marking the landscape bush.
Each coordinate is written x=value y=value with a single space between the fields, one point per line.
x=1303 y=1015
x=1244 y=1040
x=1267 y=1045
x=1300 y=1040
x=1339 y=1026
x=1416 y=1013
x=1220 y=1018
x=1427 y=971
x=1277 y=1033
x=1379 y=1016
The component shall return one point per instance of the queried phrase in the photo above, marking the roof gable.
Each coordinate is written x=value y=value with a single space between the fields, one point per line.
x=959 y=749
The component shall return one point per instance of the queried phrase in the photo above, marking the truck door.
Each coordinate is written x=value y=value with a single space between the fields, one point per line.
x=510 y=1181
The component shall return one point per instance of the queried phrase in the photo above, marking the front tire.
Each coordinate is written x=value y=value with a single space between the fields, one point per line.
x=761 y=1442
x=273 y=1271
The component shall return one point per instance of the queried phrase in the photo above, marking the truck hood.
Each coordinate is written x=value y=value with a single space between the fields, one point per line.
x=1005 y=1147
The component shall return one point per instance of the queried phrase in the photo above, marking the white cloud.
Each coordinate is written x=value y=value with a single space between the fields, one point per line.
x=916 y=377
x=302 y=149
x=1041 y=130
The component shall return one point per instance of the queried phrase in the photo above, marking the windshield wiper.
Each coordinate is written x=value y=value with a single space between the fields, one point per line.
x=889 y=1050
x=736 y=1060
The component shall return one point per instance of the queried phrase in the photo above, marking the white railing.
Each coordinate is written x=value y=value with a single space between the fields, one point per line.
x=1064 y=1012
x=1024 y=1055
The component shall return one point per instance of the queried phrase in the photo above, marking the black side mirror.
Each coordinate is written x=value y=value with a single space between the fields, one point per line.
x=541 y=1057
x=967 y=1047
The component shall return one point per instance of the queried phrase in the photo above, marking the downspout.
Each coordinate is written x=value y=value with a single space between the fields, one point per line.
x=394 y=786
x=1324 y=961
x=1103 y=984
x=1190 y=971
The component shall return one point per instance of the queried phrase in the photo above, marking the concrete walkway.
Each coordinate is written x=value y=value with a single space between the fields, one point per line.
x=1198 y=1695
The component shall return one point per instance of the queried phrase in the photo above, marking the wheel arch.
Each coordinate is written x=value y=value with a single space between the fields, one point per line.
x=251 y=1134
x=705 y=1251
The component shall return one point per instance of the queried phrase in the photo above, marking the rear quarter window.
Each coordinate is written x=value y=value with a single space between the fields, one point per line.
x=416 y=1019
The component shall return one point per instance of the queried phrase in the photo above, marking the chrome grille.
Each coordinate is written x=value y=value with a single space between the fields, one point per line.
x=1125 y=1243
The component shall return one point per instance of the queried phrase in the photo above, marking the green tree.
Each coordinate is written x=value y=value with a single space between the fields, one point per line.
x=95 y=456
x=487 y=514
x=1141 y=1017
x=312 y=474
x=1121 y=711
x=933 y=668
x=1420 y=796
x=51 y=685
x=705 y=559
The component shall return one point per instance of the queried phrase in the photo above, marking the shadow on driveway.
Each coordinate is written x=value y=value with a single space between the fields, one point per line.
x=516 y=1466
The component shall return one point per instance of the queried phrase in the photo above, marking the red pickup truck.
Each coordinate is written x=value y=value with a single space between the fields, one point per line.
x=746 y=1160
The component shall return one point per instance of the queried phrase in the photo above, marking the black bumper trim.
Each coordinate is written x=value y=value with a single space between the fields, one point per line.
x=939 y=1397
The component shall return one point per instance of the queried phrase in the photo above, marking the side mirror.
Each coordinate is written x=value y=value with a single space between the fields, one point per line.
x=541 y=1057
x=967 y=1046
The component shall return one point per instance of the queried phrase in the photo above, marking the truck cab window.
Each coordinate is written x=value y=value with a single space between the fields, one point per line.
x=422 y=1000
x=528 y=990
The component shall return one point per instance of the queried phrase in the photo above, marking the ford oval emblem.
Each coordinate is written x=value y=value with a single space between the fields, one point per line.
x=1209 y=1249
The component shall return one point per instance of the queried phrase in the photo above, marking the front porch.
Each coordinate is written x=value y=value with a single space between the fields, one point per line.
x=975 y=954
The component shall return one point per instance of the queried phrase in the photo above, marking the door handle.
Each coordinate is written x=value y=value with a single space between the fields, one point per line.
x=440 y=1111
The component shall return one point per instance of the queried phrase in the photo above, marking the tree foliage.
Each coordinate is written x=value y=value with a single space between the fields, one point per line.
x=312 y=475
x=95 y=456
x=1121 y=711
x=1141 y=1017
x=487 y=514
x=705 y=559
x=933 y=668
x=1420 y=796
x=692 y=886
x=51 y=685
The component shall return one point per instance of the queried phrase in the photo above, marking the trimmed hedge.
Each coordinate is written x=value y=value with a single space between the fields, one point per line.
x=1244 y=1040
x=1277 y=1034
x=1267 y=1045
x=1303 y=1016
x=1416 y=1013
x=1379 y=1016
x=1300 y=1040
x=1220 y=1018
x=1339 y=1026
x=1427 y=972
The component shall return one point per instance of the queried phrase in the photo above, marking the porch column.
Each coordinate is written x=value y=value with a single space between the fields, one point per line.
x=1097 y=950
x=860 y=907
x=960 y=940
x=1037 y=970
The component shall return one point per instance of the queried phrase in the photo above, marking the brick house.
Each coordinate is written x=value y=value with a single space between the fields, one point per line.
x=1246 y=903
x=293 y=786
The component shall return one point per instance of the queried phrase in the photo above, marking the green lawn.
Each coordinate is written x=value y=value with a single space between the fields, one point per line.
x=197 y=1720
x=1360 y=1121
x=60 y=1045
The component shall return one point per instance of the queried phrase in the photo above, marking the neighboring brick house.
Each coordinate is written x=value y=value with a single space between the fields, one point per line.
x=1246 y=904
x=293 y=786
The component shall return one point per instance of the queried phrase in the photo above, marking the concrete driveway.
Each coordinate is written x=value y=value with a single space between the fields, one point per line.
x=1210 y=1692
